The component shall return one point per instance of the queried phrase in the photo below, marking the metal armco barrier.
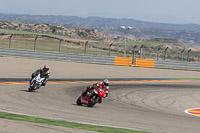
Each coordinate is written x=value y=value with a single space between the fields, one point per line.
x=57 y=56
x=99 y=59
x=177 y=65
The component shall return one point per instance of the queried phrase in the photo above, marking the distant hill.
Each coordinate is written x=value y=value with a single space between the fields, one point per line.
x=53 y=29
x=189 y=33
x=96 y=22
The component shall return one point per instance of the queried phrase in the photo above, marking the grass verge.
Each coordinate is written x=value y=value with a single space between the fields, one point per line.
x=28 y=33
x=63 y=123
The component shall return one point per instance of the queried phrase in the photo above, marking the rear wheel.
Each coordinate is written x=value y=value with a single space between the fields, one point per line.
x=78 y=102
x=93 y=100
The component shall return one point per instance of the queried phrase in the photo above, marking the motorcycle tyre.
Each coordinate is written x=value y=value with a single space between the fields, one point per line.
x=30 y=90
x=78 y=102
x=90 y=103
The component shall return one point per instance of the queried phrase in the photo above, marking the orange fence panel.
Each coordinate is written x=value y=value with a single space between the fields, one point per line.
x=121 y=61
x=144 y=62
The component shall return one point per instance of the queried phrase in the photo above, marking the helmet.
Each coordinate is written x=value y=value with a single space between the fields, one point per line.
x=46 y=68
x=106 y=82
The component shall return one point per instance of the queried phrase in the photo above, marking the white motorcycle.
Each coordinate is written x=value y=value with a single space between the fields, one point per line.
x=36 y=82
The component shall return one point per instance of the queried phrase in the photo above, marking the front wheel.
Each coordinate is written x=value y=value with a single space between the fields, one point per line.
x=34 y=85
x=29 y=89
x=78 y=102
x=93 y=100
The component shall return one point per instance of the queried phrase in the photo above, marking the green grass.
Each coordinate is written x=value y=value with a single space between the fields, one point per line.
x=17 y=32
x=47 y=44
x=50 y=44
x=63 y=123
x=146 y=43
x=33 y=34
x=53 y=46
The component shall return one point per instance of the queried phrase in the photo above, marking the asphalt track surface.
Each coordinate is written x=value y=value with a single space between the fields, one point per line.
x=156 y=106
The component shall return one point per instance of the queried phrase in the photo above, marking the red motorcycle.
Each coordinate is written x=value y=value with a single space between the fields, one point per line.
x=92 y=97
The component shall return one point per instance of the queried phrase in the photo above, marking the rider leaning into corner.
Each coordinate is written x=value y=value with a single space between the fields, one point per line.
x=103 y=85
x=44 y=72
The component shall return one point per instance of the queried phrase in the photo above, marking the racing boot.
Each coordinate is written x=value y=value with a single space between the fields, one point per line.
x=100 y=101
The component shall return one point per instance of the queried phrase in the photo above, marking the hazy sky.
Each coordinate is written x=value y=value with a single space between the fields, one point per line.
x=165 y=11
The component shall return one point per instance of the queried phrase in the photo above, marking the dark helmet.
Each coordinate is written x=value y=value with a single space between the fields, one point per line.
x=46 y=68
x=106 y=82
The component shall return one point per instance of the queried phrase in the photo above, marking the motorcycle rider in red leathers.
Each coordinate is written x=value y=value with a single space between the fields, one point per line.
x=103 y=85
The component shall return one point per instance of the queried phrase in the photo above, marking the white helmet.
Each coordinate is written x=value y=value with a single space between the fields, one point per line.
x=106 y=82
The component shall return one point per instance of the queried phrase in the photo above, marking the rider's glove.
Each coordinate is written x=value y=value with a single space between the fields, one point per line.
x=33 y=75
x=90 y=87
x=88 y=94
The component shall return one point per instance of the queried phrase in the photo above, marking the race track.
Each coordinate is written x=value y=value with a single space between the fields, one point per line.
x=156 y=106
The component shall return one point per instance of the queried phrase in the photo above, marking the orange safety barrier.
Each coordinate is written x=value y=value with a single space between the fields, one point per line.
x=144 y=62
x=121 y=61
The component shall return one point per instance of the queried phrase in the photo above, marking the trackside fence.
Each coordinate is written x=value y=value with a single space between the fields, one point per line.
x=177 y=65
x=57 y=56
